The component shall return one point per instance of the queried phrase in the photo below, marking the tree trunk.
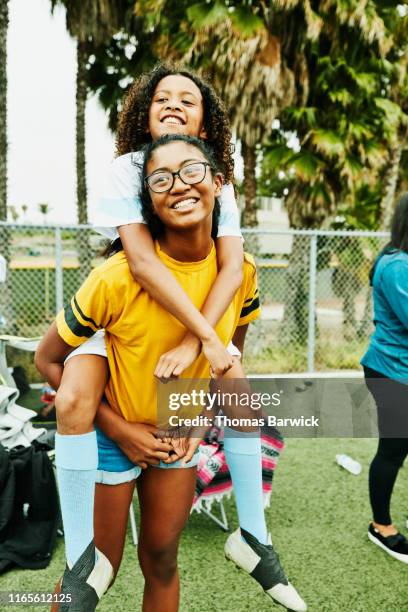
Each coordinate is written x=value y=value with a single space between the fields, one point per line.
x=349 y=315
x=390 y=179
x=249 y=218
x=83 y=241
x=295 y=320
x=367 y=320
x=6 y=309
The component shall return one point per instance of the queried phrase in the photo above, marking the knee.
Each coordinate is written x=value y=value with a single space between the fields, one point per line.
x=397 y=460
x=74 y=405
x=394 y=456
x=159 y=563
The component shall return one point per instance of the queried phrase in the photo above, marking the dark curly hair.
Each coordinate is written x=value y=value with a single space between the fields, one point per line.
x=132 y=132
x=153 y=222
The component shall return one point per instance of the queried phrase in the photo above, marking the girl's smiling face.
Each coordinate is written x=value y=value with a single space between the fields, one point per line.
x=183 y=206
x=176 y=108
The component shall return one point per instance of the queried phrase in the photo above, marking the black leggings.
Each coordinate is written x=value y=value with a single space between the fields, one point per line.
x=391 y=398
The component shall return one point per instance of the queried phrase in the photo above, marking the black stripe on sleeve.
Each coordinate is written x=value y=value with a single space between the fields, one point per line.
x=83 y=316
x=250 y=308
x=74 y=325
x=249 y=300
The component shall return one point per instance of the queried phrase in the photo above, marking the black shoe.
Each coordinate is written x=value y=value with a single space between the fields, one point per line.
x=84 y=584
x=262 y=563
x=395 y=545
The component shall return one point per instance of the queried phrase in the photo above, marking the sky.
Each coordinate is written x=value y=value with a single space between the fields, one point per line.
x=41 y=68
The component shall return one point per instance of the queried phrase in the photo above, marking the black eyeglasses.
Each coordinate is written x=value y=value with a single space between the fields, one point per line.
x=191 y=174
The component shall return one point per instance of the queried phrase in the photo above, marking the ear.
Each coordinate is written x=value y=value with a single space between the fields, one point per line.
x=203 y=133
x=218 y=180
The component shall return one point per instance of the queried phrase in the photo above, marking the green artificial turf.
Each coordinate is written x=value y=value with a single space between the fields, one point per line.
x=318 y=518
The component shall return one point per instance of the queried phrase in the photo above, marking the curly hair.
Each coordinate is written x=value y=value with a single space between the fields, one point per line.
x=155 y=225
x=133 y=133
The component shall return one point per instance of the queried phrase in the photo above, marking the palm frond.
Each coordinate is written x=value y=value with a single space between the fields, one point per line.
x=201 y=15
x=306 y=165
x=277 y=156
x=327 y=142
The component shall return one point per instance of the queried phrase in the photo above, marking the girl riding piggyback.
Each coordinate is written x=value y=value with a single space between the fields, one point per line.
x=165 y=101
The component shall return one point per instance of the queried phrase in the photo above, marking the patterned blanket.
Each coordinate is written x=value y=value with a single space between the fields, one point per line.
x=213 y=477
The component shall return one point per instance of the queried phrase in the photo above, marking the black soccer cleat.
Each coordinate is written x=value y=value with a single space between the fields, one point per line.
x=84 y=584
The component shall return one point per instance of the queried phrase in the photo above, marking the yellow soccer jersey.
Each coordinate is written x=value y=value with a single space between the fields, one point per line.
x=139 y=330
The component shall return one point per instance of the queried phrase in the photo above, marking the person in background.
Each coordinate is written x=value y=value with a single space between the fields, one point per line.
x=386 y=372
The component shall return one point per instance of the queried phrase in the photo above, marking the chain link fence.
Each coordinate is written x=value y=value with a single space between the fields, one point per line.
x=314 y=290
x=316 y=299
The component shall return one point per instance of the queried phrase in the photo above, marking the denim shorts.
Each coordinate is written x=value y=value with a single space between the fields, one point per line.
x=115 y=468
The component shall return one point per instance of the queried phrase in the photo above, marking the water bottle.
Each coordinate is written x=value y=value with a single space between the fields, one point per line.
x=349 y=464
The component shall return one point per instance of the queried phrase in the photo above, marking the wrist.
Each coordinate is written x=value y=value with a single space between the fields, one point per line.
x=191 y=339
x=209 y=337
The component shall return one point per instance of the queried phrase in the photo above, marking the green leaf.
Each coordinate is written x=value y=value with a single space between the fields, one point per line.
x=305 y=115
x=277 y=156
x=392 y=111
x=305 y=164
x=204 y=15
x=343 y=96
x=375 y=153
x=182 y=41
x=246 y=21
x=366 y=81
x=327 y=142
x=359 y=131
x=321 y=196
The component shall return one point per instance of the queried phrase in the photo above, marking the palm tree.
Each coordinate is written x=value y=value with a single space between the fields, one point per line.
x=345 y=126
x=90 y=23
x=44 y=209
x=398 y=93
x=13 y=213
x=245 y=63
x=322 y=68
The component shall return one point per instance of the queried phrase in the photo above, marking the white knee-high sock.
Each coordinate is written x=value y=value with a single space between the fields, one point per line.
x=243 y=455
x=76 y=458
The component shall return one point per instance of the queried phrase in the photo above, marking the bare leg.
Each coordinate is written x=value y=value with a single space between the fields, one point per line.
x=165 y=497
x=110 y=519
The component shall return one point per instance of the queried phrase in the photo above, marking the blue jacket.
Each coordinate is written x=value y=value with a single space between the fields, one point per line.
x=388 y=349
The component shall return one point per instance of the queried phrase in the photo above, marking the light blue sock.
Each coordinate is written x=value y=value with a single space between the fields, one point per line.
x=76 y=458
x=243 y=455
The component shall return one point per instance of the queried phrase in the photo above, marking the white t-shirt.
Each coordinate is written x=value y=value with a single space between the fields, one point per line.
x=120 y=203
